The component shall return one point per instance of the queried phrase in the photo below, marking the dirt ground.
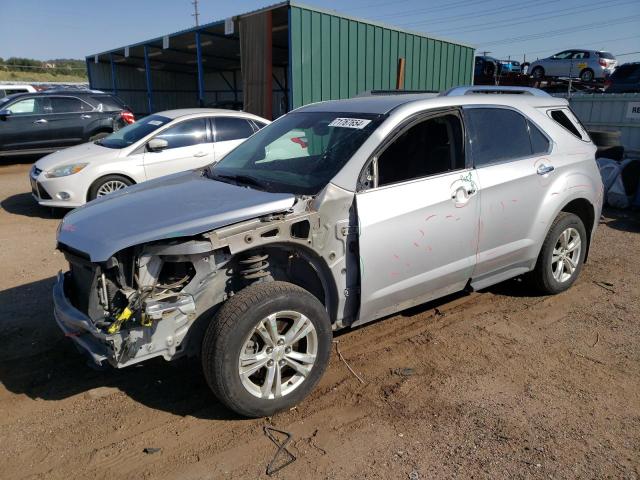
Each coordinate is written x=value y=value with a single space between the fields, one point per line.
x=496 y=384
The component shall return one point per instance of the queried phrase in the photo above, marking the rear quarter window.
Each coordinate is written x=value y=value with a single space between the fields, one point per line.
x=109 y=103
x=566 y=119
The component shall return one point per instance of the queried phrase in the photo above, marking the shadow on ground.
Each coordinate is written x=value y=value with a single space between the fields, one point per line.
x=24 y=204
x=625 y=220
x=38 y=361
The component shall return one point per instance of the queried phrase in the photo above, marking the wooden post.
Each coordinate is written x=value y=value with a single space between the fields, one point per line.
x=400 y=74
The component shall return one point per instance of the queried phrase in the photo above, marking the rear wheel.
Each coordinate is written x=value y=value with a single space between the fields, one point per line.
x=266 y=348
x=562 y=254
x=587 y=75
x=537 y=73
x=108 y=184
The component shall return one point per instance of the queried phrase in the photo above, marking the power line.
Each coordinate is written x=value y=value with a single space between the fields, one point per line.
x=601 y=40
x=484 y=13
x=434 y=9
x=536 y=17
x=563 y=31
x=628 y=53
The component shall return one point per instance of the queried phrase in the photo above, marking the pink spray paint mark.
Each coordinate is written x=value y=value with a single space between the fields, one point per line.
x=415 y=244
x=422 y=233
x=396 y=256
x=429 y=217
x=449 y=216
x=502 y=204
x=514 y=200
x=428 y=249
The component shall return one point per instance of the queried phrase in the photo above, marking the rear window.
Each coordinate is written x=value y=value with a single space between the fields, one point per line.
x=627 y=72
x=108 y=102
x=607 y=55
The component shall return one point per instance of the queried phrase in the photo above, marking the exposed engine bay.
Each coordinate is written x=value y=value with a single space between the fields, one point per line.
x=148 y=300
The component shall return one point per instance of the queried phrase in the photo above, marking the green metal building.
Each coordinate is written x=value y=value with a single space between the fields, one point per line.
x=276 y=59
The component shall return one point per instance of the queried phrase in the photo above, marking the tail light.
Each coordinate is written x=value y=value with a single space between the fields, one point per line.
x=607 y=84
x=127 y=117
x=603 y=62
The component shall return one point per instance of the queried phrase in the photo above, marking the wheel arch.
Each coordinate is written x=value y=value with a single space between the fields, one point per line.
x=585 y=210
x=301 y=266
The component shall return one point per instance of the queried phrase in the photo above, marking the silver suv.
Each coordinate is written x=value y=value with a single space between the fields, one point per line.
x=587 y=65
x=336 y=214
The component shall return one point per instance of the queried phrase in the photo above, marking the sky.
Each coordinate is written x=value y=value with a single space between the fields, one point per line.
x=44 y=29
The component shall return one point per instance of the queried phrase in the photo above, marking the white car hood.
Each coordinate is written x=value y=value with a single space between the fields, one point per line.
x=85 y=152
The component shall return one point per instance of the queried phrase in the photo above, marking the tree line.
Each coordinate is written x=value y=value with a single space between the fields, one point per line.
x=58 y=66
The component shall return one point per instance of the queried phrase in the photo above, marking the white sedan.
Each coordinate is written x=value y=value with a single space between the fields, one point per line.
x=160 y=144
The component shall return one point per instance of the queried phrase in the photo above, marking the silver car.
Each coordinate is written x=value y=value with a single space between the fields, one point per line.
x=587 y=65
x=336 y=214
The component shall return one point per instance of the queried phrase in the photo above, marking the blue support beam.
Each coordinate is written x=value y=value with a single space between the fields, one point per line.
x=114 y=83
x=200 y=71
x=147 y=72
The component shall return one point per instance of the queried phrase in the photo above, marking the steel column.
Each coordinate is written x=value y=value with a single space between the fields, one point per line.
x=147 y=72
x=200 y=71
x=114 y=84
x=89 y=72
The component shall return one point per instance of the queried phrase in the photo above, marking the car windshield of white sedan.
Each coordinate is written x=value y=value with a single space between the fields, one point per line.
x=299 y=153
x=132 y=133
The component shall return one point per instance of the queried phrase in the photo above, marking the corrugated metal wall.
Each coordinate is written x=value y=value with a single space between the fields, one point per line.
x=609 y=111
x=334 y=57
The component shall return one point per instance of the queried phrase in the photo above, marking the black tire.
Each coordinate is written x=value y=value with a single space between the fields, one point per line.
x=232 y=327
x=98 y=136
x=587 y=75
x=542 y=276
x=99 y=183
x=537 y=73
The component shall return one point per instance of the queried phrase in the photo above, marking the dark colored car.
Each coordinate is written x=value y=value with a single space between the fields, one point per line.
x=43 y=122
x=625 y=79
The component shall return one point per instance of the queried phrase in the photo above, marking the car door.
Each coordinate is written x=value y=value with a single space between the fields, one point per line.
x=418 y=221
x=26 y=126
x=67 y=117
x=559 y=64
x=229 y=132
x=189 y=146
x=510 y=155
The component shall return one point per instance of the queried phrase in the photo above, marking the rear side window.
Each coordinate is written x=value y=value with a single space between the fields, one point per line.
x=231 y=128
x=497 y=135
x=68 y=105
x=561 y=117
x=539 y=143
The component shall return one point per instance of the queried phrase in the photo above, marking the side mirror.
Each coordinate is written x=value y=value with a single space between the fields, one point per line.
x=157 y=144
x=4 y=113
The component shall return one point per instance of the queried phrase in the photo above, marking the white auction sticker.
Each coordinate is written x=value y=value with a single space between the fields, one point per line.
x=155 y=122
x=358 y=123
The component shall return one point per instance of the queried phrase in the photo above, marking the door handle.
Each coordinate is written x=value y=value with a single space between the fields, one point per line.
x=85 y=116
x=200 y=154
x=544 y=169
x=40 y=122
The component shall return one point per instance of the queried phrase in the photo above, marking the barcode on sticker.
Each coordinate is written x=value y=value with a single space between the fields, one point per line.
x=350 y=123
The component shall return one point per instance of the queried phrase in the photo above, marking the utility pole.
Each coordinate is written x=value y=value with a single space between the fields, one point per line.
x=195 y=13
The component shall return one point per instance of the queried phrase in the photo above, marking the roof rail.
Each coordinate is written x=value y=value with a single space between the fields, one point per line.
x=371 y=93
x=487 y=89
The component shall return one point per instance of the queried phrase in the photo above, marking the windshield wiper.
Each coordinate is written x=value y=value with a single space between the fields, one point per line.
x=240 y=179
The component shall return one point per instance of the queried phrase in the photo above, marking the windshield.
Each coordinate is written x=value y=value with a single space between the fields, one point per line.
x=299 y=153
x=132 y=133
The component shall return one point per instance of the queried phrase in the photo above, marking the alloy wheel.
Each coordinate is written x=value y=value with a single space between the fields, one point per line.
x=566 y=255
x=110 y=187
x=278 y=354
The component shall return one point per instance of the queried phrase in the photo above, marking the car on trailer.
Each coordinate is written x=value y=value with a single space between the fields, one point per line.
x=380 y=203
x=587 y=65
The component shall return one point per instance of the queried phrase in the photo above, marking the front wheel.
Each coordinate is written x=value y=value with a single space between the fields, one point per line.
x=108 y=184
x=562 y=254
x=266 y=348
x=537 y=73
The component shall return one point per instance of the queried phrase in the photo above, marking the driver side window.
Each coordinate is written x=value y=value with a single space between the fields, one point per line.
x=28 y=106
x=430 y=147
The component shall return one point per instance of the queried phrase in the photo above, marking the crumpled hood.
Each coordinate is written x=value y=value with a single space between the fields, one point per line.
x=178 y=205
x=84 y=152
